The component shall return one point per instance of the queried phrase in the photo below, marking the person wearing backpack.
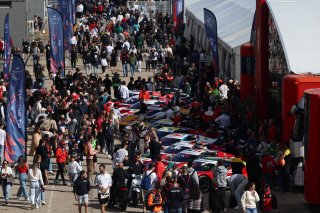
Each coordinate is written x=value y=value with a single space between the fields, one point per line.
x=155 y=200
x=149 y=178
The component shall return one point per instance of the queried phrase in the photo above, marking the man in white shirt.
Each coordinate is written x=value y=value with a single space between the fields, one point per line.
x=124 y=91
x=2 y=141
x=126 y=45
x=73 y=40
x=121 y=155
x=103 y=182
x=223 y=121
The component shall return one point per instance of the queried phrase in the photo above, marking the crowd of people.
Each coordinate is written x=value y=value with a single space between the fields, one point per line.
x=77 y=119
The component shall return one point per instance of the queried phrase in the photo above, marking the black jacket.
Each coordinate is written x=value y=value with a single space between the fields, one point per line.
x=155 y=149
x=175 y=198
x=81 y=187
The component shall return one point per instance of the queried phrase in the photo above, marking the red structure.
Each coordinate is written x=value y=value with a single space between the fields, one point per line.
x=247 y=71
x=312 y=146
x=293 y=88
x=262 y=64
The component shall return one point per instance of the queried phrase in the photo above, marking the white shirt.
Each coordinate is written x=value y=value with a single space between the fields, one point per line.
x=2 y=137
x=109 y=49
x=79 y=8
x=119 y=156
x=8 y=170
x=73 y=40
x=74 y=167
x=35 y=177
x=223 y=121
x=103 y=180
x=126 y=44
x=224 y=90
x=249 y=199
x=124 y=92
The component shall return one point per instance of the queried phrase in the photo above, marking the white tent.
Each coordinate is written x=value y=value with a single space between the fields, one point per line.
x=234 y=23
x=297 y=22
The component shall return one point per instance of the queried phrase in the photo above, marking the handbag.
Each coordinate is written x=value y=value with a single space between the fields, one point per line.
x=10 y=179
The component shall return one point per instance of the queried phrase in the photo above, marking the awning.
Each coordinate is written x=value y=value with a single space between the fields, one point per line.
x=234 y=18
x=297 y=22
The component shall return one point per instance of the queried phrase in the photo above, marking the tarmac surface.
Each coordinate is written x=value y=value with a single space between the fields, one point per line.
x=60 y=199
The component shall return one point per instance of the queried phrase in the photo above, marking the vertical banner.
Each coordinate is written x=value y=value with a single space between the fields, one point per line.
x=178 y=12
x=210 y=23
x=56 y=41
x=73 y=9
x=65 y=10
x=7 y=48
x=15 y=144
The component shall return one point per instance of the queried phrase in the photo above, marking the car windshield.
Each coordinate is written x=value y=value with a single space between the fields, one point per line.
x=184 y=158
x=175 y=149
x=209 y=154
x=131 y=101
x=168 y=141
x=200 y=166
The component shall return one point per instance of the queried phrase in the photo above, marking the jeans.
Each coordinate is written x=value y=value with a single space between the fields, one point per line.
x=239 y=191
x=73 y=63
x=23 y=186
x=132 y=69
x=6 y=189
x=139 y=66
x=60 y=171
x=73 y=178
x=251 y=210
x=42 y=196
x=175 y=210
x=125 y=70
x=49 y=164
x=35 y=191
x=1 y=152
x=95 y=69
x=88 y=69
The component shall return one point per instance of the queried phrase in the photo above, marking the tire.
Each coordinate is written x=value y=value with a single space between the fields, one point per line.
x=123 y=207
x=204 y=183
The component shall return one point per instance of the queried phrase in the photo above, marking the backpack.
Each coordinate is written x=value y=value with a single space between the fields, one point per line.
x=146 y=181
x=156 y=199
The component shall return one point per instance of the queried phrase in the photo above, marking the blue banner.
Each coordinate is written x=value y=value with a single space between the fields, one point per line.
x=56 y=41
x=179 y=13
x=73 y=9
x=210 y=23
x=7 y=48
x=65 y=10
x=15 y=144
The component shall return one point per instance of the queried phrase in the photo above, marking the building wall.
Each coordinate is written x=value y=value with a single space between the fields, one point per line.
x=17 y=21
x=36 y=7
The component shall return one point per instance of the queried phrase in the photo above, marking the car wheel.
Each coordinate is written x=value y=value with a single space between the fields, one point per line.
x=204 y=183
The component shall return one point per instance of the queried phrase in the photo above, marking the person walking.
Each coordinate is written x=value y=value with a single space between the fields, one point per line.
x=61 y=155
x=81 y=190
x=35 y=183
x=6 y=180
x=22 y=168
x=124 y=57
x=249 y=199
x=155 y=199
x=133 y=62
x=103 y=181
x=74 y=57
x=90 y=152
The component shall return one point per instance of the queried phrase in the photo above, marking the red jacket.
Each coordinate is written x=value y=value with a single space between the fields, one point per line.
x=61 y=155
x=159 y=169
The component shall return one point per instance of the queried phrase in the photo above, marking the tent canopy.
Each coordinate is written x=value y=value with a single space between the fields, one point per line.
x=234 y=19
x=297 y=22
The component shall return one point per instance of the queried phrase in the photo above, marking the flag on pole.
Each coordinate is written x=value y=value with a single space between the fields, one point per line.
x=15 y=144
x=210 y=23
x=56 y=41
x=65 y=10
x=7 y=48
x=178 y=13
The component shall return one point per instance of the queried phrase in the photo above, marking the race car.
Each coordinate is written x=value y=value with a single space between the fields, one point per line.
x=174 y=149
x=209 y=154
x=185 y=157
x=205 y=170
x=169 y=130
x=170 y=139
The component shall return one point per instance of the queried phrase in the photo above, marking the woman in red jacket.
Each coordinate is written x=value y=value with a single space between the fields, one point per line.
x=61 y=155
